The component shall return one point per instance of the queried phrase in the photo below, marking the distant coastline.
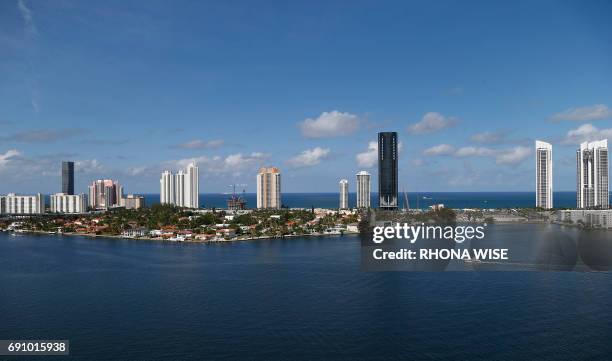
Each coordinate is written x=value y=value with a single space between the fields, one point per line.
x=422 y=200
x=189 y=241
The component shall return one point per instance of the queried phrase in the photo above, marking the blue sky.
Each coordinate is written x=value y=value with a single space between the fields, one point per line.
x=129 y=88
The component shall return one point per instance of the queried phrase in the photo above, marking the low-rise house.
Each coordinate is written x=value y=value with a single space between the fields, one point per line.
x=134 y=232
x=226 y=233
x=204 y=237
x=155 y=233
x=352 y=227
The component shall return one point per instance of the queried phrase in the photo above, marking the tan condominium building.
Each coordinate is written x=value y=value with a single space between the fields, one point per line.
x=269 y=188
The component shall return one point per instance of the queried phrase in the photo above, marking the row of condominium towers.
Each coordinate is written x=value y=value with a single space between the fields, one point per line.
x=103 y=194
x=592 y=181
x=181 y=188
x=269 y=180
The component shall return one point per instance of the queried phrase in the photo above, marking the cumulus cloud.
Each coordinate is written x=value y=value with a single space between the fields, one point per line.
x=586 y=133
x=330 y=124
x=441 y=149
x=581 y=114
x=474 y=152
x=233 y=164
x=16 y=165
x=201 y=144
x=513 y=156
x=369 y=157
x=430 y=123
x=91 y=166
x=309 y=157
x=502 y=156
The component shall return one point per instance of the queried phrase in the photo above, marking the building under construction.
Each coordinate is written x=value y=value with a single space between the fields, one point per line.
x=236 y=202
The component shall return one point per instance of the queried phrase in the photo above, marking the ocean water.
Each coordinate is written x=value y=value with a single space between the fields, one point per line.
x=295 y=299
x=420 y=200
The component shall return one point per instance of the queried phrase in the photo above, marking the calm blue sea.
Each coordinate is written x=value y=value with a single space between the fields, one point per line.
x=295 y=299
x=421 y=200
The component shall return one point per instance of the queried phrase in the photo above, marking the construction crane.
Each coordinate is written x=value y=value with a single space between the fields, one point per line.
x=236 y=202
x=406 y=204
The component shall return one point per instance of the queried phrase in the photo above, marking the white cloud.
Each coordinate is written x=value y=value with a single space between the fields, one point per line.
x=233 y=164
x=502 y=156
x=369 y=157
x=330 y=124
x=16 y=166
x=92 y=166
x=441 y=149
x=201 y=144
x=431 y=122
x=513 y=156
x=137 y=171
x=8 y=156
x=309 y=157
x=588 y=113
x=474 y=152
x=586 y=133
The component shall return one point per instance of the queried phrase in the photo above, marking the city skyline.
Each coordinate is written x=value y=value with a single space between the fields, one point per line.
x=463 y=109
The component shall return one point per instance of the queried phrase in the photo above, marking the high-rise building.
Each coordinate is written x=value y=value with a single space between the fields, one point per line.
x=363 y=189
x=344 y=202
x=544 y=175
x=68 y=203
x=192 y=186
x=68 y=178
x=592 y=175
x=132 y=201
x=387 y=170
x=167 y=191
x=269 y=188
x=17 y=204
x=181 y=189
x=104 y=194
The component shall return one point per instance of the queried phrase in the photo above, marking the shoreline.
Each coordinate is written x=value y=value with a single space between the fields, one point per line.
x=157 y=239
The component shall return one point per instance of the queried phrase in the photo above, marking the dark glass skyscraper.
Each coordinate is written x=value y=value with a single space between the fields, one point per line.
x=68 y=177
x=387 y=170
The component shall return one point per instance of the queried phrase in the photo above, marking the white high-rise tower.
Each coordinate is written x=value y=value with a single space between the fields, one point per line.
x=363 y=189
x=167 y=191
x=181 y=189
x=192 y=186
x=592 y=186
x=344 y=203
x=544 y=175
